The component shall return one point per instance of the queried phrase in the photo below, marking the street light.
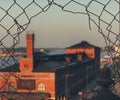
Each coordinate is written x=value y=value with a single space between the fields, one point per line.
x=66 y=85
x=80 y=93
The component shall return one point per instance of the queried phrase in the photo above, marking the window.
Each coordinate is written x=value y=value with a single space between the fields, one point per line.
x=41 y=87
x=77 y=51
x=26 y=84
x=25 y=65
x=91 y=55
x=12 y=86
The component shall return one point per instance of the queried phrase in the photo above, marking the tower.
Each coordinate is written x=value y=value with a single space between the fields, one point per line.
x=26 y=64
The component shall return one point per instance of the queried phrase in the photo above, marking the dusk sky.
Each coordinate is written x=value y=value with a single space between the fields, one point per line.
x=56 y=28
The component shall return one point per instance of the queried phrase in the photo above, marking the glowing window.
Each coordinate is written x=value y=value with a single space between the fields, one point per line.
x=41 y=87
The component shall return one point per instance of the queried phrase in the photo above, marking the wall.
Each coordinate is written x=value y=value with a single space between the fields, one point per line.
x=29 y=82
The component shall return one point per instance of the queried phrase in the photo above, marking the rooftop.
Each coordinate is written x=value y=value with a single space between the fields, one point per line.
x=49 y=63
x=82 y=44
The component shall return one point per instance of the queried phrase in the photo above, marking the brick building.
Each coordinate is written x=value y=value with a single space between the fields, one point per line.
x=39 y=76
x=90 y=50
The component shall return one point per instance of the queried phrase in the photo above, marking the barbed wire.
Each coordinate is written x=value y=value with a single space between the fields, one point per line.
x=106 y=18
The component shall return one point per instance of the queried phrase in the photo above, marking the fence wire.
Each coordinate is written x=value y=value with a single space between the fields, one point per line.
x=104 y=14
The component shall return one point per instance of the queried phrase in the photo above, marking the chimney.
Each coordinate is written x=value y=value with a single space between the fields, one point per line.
x=30 y=45
x=26 y=64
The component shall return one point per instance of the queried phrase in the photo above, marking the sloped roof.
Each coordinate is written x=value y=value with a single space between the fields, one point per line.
x=82 y=44
x=13 y=68
x=50 y=65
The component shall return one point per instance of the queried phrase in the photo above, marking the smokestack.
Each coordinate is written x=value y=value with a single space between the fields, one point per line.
x=30 y=45
x=26 y=64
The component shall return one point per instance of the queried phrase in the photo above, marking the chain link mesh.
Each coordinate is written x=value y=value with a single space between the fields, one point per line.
x=106 y=18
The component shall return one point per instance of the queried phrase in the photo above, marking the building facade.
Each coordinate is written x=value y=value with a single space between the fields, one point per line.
x=90 y=50
x=45 y=77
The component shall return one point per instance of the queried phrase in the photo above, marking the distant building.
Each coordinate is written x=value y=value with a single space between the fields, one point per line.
x=3 y=54
x=39 y=76
x=90 y=50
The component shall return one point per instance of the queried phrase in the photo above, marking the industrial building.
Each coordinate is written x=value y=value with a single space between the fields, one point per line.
x=89 y=50
x=39 y=76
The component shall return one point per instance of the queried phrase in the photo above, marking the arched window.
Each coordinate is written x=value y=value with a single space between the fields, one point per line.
x=12 y=86
x=41 y=87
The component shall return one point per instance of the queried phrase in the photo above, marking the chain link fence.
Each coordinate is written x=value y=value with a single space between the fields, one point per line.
x=106 y=18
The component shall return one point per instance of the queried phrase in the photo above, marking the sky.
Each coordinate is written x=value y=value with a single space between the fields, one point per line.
x=56 y=28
